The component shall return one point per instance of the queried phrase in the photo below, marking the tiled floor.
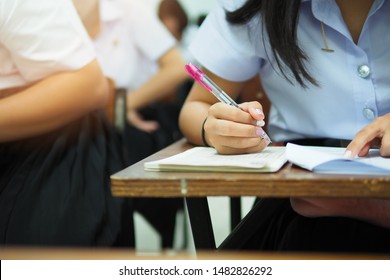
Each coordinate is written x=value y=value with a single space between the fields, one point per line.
x=147 y=239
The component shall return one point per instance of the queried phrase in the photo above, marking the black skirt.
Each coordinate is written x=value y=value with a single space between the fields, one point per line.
x=55 y=188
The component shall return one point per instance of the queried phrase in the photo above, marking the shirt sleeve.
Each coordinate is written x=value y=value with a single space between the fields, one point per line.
x=43 y=37
x=227 y=50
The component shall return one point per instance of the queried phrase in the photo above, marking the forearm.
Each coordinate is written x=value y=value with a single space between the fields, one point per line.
x=52 y=102
x=191 y=123
x=376 y=211
x=159 y=86
x=171 y=74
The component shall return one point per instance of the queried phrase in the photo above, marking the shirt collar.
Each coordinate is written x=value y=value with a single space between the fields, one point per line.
x=328 y=12
x=376 y=6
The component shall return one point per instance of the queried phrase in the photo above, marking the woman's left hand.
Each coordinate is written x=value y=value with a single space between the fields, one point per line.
x=376 y=133
x=373 y=210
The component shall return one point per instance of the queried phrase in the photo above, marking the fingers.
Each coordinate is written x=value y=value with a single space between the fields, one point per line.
x=254 y=109
x=239 y=145
x=250 y=113
x=228 y=150
x=364 y=150
x=376 y=133
x=385 y=146
x=233 y=131
x=147 y=126
x=362 y=141
x=135 y=119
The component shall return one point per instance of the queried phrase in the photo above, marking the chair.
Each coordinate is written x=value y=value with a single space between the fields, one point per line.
x=116 y=106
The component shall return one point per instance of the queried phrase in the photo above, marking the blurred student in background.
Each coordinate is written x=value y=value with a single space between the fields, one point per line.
x=174 y=17
x=139 y=54
x=137 y=51
x=56 y=147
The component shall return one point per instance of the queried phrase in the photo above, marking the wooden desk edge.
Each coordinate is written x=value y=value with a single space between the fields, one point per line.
x=290 y=181
x=20 y=253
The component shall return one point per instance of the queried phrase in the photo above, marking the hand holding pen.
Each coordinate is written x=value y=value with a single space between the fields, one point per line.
x=210 y=86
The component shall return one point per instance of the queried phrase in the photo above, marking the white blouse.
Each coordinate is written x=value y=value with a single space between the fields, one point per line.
x=131 y=41
x=40 y=39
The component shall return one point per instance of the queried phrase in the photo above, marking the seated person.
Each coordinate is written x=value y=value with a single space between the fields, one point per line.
x=310 y=104
x=137 y=51
x=57 y=149
x=147 y=64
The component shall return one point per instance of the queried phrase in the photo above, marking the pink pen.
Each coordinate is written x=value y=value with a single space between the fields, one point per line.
x=208 y=84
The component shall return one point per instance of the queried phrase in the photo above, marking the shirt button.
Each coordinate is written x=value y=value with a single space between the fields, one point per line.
x=369 y=114
x=363 y=71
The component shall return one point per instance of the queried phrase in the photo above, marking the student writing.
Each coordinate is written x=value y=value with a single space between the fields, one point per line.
x=324 y=67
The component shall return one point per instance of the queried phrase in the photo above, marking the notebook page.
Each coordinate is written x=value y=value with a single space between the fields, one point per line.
x=310 y=157
x=271 y=157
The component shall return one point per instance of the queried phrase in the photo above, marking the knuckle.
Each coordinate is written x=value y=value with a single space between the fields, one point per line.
x=213 y=109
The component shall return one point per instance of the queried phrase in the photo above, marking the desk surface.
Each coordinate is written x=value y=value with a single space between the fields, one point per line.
x=290 y=181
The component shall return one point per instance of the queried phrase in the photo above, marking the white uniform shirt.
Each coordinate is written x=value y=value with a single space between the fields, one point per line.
x=131 y=41
x=348 y=97
x=38 y=39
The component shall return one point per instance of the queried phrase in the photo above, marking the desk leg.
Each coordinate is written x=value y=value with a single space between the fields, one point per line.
x=200 y=220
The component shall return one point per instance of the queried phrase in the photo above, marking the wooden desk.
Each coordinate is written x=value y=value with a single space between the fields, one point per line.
x=290 y=181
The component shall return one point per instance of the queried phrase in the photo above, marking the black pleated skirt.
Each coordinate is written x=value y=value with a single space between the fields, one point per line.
x=55 y=188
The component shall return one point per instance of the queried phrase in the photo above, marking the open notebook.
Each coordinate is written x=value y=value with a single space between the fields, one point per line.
x=316 y=159
x=332 y=160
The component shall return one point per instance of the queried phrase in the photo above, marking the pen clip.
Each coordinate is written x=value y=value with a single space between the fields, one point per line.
x=196 y=74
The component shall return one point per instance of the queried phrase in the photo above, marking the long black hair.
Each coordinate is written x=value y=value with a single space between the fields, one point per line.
x=280 y=18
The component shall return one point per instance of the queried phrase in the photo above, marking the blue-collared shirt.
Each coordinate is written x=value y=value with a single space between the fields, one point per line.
x=354 y=79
